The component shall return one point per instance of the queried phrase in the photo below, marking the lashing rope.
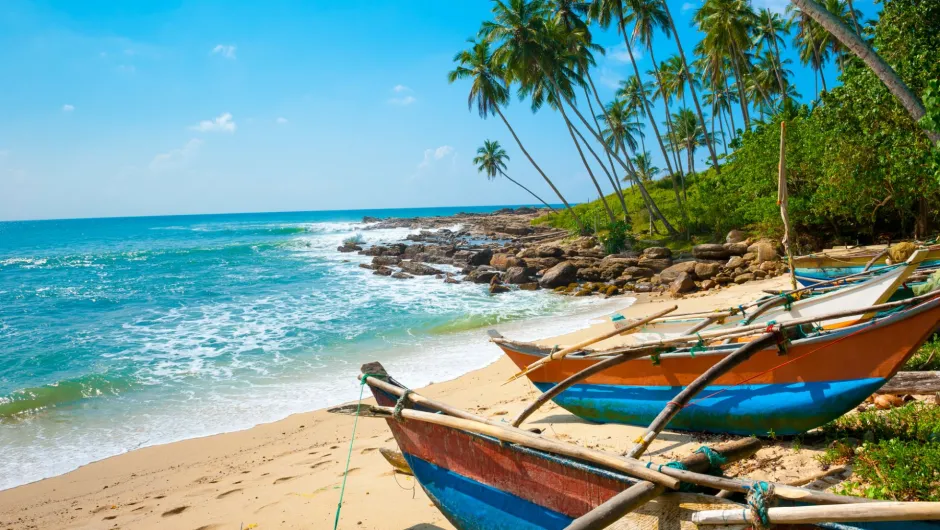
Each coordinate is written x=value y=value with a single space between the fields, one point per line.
x=759 y=496
x=715 y=459
x=400 y=405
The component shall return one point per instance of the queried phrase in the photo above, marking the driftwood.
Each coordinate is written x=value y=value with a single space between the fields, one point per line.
x=836 y=470
x=682 y=399
x=882 y=511
x=912 y=383
x=642 y=492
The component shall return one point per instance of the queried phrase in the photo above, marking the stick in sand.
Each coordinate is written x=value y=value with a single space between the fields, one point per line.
x=882 y=511
x=642 y=492
x=583 y=344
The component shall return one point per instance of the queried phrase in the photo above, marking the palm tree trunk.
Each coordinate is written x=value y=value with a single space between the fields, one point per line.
x=734 y=129
x=600 y=193
x=721 y=125
x=549 y=206
x=822 y=77
x=614 y=180
x=750 y=72
x=601 y=163
x=883 y=70
x=858 y=30
x=609 y=159
x=742 y=96
x=577 y=220
x=685 y=64
x=665 y=96
x=777 y=67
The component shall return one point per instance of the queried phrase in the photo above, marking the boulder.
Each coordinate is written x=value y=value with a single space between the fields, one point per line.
x=385 y=260
x=402 y=275
x=349 y=247
x=734 y=262
x=530 y=286
x=384 y=271
x=395 y=249
x=682 y=283
x=549 y=251
x=561 y=274
x=657 y=253
x=530 y=252
x=375 y=250
x=481 y=257
x=461 y=257
x=722 y=279
x=768 y=266
x=735 y=236
x=710 y=251
x=514 y=230
x=516 y=276
x=736 y=249
x=637 y=272
x=412 y=250
x=366 y=266
x=450 y=279
x=759 y=274
x=496 y=288
x=592 y=253
x=743 y=278
x=763 y=250
x=643 y=287
x=505 y=261
x=589 y=274
x=672 y=272
x=419 y=269
x=586 y=242
x=626 y=261
x=708 y=284
x=657 y=264
x=538 y=264
x=706 y=269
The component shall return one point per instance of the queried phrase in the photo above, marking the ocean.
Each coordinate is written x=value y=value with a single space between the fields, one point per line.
x=127 y=332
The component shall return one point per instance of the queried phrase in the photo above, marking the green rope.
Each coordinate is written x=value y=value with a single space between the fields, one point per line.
x=616 y=317
x=655 y=359
x=699 y=346
x=342 y=490
x=715 y=459
x=683 y=486
x=788 y=303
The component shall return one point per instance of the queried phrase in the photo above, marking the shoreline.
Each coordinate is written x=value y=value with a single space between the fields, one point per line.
x=285 y=474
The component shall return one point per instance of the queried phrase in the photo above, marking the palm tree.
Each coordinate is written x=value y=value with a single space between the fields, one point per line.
x=854 y=42
x=839 y=8
x=664 y=88
x=769 y=29
x=810 y=44
x=623 y=127
x=690 y=134
x=491 y=160
x=488 y=93
x=690 y=80
x=646 y=172
x=727 y=24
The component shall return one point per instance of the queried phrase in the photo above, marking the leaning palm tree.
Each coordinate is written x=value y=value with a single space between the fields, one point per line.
x=854 y=42
x=491 y=161
x=769 y=30
x=489 y=93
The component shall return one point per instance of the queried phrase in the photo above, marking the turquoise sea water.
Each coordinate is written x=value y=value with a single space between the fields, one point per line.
x=121 y=333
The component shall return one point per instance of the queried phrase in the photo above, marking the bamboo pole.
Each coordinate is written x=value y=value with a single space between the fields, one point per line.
x=583 y=374
x=782 y=201
x=642 y=492
x=882 y=511
x=618 y=330
x=692 y=389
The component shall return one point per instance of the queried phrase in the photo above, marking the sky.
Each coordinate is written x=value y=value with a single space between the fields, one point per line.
x=177 y=107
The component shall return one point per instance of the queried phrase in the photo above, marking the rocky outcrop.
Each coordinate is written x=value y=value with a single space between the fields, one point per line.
x=384 y=271
x=672 y=272
x=349 y=247
x=378 y=261
x=516 y=276
x=763 y=250
x=531 y=286
x=549 y=251
x=657 y=264
x=419 y=269
x=682 y=283
x=559 y=275
x=735 y=236
x=657 y=253
x=706 y=269
x=481 y=257
x=402 y=275
x=505 y=261
x=482 y=275
x=710 y=251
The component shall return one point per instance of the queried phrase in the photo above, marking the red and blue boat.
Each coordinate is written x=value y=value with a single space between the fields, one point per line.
x=813 y=381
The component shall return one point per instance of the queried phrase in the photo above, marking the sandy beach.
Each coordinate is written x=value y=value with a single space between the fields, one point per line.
x=287 y=474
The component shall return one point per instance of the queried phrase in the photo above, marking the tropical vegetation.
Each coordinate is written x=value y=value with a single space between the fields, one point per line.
x=862 y=160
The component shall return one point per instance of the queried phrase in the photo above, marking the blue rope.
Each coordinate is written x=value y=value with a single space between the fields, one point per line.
x=758 y=497
x=683 y=486
x=616 y=317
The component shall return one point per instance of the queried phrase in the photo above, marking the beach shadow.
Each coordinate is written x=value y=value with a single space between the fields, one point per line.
x=565 y=418
x=424 y=526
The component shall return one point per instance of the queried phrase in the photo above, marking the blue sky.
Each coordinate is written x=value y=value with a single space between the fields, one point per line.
x=145 y=108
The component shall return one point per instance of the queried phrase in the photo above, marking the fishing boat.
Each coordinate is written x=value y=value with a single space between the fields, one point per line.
x=833 y=264
x=778 y=390
x=482 y=474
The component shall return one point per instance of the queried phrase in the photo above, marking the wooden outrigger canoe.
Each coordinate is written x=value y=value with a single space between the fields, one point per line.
x=814 y=380
x=514 y=479
x=830 y=265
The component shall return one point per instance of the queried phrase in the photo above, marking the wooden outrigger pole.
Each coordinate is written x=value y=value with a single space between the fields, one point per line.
x=782 y=201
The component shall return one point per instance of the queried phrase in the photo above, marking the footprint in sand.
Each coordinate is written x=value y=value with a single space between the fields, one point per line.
x=318 y=464
x=138 y=508
x=367 y=450
x=175 y=511
x=209 y=527
x=350 y=472
x=108 y=518
x=227 y=493
x=283 y=479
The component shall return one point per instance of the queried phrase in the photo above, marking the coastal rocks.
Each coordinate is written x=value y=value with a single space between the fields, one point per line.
x=349 y=247
x=735 y=262
x=559 y=275
x=505 y=261
x=549 y=251
x=637 y=272
x=706 y=269
x=736 y=249
x=481 y=275
x=656 y=264
x=763 y=251
x=530 y=286
x=370 y=219
x=735 y=236
x=743 y=278
x=516 y=276
x=419 y=269
x=657 y=253
x=682 y=283
x=710 y=251
x=378 y=261
x=539 y=264
x=481 y=257
x=384 y=271
x=402 y=275
x=672 y=272
x=496 y=288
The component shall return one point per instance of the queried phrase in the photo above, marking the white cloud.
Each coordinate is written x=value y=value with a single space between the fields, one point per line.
x=225 y=50
x=402 y=102
x=687 y=6
x=175 y=158
x=224 y=123
x=68 y=108
x=430 y=155
x=281 y=120
x=618 y=53
x=402 y=88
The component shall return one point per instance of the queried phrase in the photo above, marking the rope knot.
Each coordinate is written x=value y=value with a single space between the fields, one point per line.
x=758 y=498
x=715 y=459
x=400 y=405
